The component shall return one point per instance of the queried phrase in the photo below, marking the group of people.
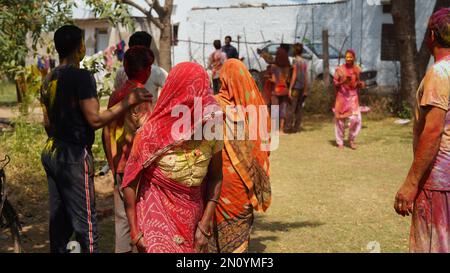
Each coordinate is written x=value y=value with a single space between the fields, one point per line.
x=218 y=58
x=173 y=193
x=285 y=85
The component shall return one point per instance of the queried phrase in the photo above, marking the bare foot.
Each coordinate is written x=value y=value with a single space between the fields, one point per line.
x=352 y=145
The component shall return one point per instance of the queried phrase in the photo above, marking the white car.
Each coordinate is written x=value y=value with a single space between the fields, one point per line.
x=312 y=53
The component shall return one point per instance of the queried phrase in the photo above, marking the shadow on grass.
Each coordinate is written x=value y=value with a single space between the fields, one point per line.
x=285 y=226
x=8 y=103
x=332 y=143
x=257 y=243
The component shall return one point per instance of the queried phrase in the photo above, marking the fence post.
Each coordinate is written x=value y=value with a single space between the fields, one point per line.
x=204 y=27
x=326 y=58
x=190 y=50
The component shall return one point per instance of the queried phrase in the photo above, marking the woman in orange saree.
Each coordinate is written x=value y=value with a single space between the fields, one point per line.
x=246 y=185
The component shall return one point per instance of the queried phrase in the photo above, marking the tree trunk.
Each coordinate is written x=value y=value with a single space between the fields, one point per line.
x=403 y=14
x=165 y=44
x=18 y=92
x=423 y=56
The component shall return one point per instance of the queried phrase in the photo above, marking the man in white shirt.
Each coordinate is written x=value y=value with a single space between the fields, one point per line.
x=158 y=75
x=154 y=84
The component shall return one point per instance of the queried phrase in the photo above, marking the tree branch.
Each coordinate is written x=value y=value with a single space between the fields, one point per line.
x=156 y=22
x=158 y=8
x=137 y=6
x=168 y=6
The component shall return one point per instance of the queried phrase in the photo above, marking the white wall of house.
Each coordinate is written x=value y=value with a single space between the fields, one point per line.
x=341 y=18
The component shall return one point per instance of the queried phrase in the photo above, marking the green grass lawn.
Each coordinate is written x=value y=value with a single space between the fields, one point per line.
x=324 y=199
x=7 y=93
x=330 y=200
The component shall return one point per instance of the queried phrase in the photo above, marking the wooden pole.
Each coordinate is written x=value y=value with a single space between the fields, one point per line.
x=304 y=34
x=190 y=50
x=326 y=58
x=246 y=46
x=256 y=58
x=312 y=22
x=204 y=43
x=239 y=44
x=262 y=35
x=296 y=29
x=361 y=38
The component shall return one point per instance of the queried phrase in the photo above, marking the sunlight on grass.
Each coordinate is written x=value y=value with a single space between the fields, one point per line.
x=327 y=200
x=7 y=92
x=324 y=199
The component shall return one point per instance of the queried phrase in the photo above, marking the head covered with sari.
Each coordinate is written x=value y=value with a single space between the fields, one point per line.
x=238 y=88
x=187 y=85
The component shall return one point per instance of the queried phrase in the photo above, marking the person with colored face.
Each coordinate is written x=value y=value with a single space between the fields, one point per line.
x=118 y=135
x=425 y=192
x=71 y=116
x=346 y=82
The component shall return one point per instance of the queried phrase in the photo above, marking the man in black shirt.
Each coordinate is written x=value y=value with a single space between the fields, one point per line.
x=229 y=49
x=71 y=115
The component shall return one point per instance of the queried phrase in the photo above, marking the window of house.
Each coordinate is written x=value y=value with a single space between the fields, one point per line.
x=101 y=39
x=175 y=34
x=387 y=8
x=389 y=50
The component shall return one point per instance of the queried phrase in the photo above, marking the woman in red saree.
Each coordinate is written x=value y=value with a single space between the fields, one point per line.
x=172 y=183
x=246 y=185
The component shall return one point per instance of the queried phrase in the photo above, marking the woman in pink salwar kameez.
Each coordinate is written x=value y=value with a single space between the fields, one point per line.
x=346 y=82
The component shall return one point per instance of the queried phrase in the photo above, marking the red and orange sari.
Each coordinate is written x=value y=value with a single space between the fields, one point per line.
x=167 y=211
x=245 y=185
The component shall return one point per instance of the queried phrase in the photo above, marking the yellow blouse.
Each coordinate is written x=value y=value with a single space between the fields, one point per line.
x=188 y=163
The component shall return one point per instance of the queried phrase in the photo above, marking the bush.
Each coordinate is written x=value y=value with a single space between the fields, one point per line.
x=381 y=106
x=25 y=172
x=320 y=99
x=405 y=112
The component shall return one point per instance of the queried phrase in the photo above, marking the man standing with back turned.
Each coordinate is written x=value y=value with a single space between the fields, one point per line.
x=425 y=192
x=71 y=115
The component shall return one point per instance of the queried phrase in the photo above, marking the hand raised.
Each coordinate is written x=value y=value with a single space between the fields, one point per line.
x=139 y=95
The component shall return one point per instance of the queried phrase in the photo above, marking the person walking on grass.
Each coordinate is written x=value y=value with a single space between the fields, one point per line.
x=346 y=82
x=71 y=115
x=298 y=91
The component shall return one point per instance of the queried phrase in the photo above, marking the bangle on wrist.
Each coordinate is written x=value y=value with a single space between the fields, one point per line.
x=206 y=234
x=214 y=200
x=137 y=239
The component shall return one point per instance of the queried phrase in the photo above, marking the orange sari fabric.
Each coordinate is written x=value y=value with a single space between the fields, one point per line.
x=246 y=184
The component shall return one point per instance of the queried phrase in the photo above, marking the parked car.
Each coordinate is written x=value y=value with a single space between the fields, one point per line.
x=312 y=52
